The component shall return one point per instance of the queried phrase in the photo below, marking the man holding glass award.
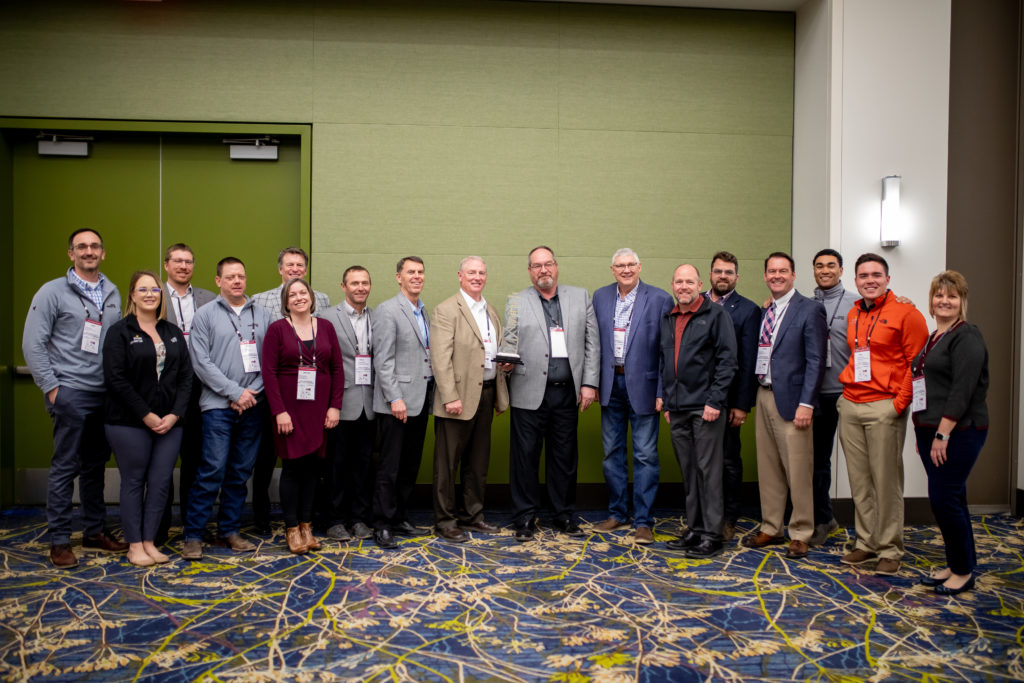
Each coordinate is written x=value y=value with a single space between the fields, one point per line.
x=552 y=333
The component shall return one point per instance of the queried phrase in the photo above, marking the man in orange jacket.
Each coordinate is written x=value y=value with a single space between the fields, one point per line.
x=884 y=336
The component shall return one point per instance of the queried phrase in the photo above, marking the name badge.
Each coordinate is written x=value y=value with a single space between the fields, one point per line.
x=363 y=374
x=250 y=359
x=619 y=342
x=920 y=397
x=764 y=357
x=91 y=336
x=862 y=364
x=488 y=355
x=305 y=390
x=828 y=352
x=558 y=347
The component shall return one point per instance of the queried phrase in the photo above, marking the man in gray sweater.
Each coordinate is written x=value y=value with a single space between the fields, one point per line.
x=62 y=343
x=226 y=340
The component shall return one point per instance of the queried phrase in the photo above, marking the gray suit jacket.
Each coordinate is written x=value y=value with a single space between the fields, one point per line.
x=358 y=399
x=528 y=382
x=200 y=296
x=400 y=357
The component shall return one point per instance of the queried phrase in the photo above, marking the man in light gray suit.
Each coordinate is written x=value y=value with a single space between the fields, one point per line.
x=183 y=300
x=350 y=444
x=402 y=396
x=561 y=352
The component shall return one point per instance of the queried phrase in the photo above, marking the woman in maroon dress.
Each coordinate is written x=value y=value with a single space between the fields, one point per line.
x=304 y=381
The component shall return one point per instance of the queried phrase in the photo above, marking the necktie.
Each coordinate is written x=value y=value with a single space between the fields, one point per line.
x=766 y=330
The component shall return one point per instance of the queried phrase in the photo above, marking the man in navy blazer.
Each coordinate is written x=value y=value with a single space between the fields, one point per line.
x=746 y=321
x=789 y=367
x=629 y=316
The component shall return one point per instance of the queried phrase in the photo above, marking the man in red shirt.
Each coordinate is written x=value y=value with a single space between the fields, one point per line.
x=884 y=336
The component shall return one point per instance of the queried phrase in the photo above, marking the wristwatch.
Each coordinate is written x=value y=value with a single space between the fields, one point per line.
x=941 y=437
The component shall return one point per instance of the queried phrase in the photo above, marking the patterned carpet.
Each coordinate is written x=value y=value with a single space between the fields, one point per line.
x=591 y=609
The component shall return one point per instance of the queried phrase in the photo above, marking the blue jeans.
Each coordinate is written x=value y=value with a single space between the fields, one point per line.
x=616 y=418
x=230 y=444
x=79 y=450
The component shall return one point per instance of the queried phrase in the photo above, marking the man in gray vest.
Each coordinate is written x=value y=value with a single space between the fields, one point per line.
x=63 y=343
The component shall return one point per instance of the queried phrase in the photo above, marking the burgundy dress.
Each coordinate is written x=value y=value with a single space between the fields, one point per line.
x=280 y=362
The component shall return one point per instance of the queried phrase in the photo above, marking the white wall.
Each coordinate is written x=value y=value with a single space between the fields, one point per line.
x=871 y=96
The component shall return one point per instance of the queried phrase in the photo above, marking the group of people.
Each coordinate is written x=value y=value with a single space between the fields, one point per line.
x=235 y=383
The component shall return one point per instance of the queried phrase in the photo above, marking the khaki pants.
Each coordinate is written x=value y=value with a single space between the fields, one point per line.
x=785 y=464
x=872 y=436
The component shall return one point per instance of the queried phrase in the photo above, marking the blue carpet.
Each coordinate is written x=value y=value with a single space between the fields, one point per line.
x=558 y=609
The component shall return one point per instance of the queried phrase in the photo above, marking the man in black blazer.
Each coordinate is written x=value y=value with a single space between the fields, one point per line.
x=183 y=300
x=746 y=320
x=789 y=367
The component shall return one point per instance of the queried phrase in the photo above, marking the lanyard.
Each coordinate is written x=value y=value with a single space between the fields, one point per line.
x=302 y=356
x=871 y=330
x=932 y=341
x=252 y=327
x=835 y=311
x=86 y=300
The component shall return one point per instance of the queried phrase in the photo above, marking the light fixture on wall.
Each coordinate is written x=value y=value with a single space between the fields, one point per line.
x=252 y=149
x=54 y=145
x=892 y=220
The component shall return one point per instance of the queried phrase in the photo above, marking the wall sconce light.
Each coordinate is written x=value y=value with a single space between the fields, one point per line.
x=54 y=145
x=252 y=149
x=891 y=223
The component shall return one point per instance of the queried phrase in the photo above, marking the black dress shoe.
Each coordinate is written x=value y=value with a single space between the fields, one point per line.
x=706 y=548
x=568 y=527
x=385 y=539
x=523 y=534
x=451 y=533
x=404 y=528
x=360 y=530
x=942 y=589
x=482 y=526
x=687 y=540
x=931 y=581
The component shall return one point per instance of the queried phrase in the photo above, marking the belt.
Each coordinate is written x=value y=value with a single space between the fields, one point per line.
x=620 y=370
x=558 y=384
x=766 y=386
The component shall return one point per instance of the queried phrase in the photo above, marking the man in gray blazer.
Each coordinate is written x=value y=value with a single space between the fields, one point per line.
x=402 y=396
x=183 y=300
x=561 y=352
x=350 y=444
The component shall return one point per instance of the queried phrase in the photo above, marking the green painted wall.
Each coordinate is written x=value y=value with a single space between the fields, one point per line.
x=447 y=128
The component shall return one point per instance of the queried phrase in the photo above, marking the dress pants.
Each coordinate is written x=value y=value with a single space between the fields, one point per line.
x=80 y=450
x=401 y=450
x=872 y=435
x=785 y=465
x=826 y=419
x=698 y=447
x=145 y=460
x=551 y=428
x=463 y=447
x=947 y=492
x=191 y=453
x=732 y=473
x=350 y=460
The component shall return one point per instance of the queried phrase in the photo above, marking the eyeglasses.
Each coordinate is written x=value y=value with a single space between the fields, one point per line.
x=719 y=271
x=181 y=261
x=82 y=246
x=147 y=290
x=547 y=265
x=625 y=266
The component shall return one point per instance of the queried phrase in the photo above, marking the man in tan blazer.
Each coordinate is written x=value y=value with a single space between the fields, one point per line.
x=464 y=333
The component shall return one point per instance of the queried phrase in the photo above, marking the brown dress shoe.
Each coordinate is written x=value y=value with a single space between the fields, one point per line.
x=104 y=543
x=857 y=556
x=307 y=536
x=610 y=524
x=62 y=557
x=643 y=535
x=236 y=543
x=296 y=543
x=761 y=540
x=451 y=533
x=481 y=526
x=796 y=550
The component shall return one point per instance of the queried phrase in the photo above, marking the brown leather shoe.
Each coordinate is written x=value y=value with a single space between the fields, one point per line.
x=481 y=526
x=796 y=550
x=451 y=533
x=857 y=556
x=643 y=535
x=236 y=543
x=761 y=540
x=610 y=524
x=307 y=536
x=62 y=557
x=296 y=544
x=104 y=543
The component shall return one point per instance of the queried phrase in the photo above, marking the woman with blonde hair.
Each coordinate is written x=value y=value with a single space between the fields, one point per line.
x=950 y=423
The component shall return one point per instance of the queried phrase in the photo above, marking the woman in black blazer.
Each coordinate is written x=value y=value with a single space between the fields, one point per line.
x=148 y=377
